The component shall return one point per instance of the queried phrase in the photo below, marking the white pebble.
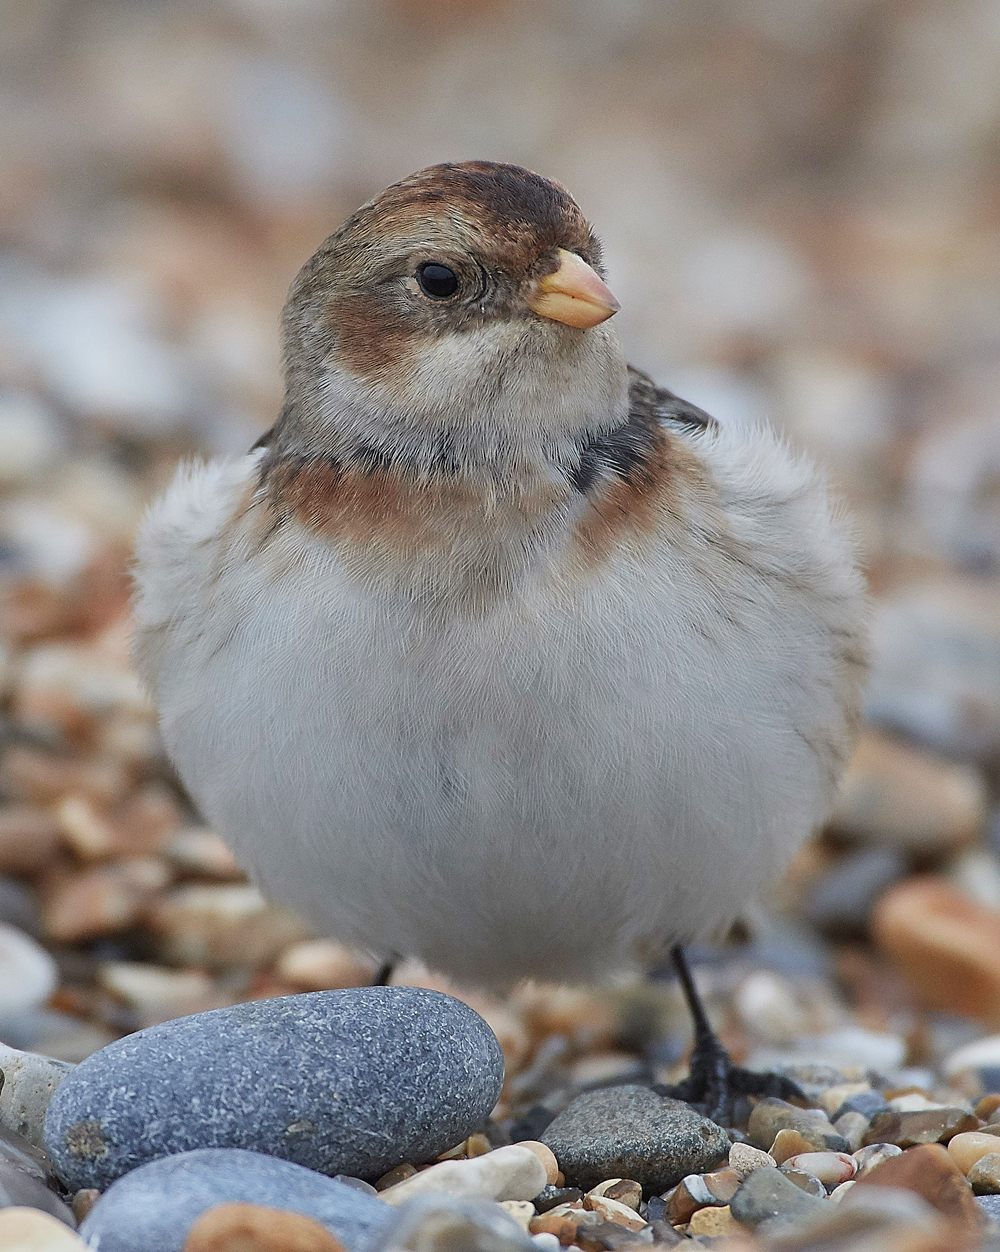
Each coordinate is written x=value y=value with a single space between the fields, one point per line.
x=28 y=975
x=511 y=1173
x=28 y=1083
x=831 y=1168
x=546 y=1241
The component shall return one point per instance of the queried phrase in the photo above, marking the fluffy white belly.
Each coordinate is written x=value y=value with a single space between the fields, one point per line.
x=532 y=792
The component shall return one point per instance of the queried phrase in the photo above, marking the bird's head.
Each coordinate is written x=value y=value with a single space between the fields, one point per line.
x=465 y=303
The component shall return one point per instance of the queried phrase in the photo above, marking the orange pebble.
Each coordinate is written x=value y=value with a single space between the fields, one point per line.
x=563 y=1228
x=252 y=1228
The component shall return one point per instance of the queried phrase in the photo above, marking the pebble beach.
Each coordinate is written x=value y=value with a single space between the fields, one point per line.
x=801 y=213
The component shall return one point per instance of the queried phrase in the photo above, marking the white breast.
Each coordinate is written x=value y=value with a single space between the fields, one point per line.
x=592 y=765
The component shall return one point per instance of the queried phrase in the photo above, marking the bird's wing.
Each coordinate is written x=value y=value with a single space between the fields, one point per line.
x=647 y=400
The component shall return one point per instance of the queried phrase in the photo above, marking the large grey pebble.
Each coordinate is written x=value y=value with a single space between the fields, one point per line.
x=344 y=1082
x=769 y=1194
x=440 y=1223
x=631 y=1132
x=154 y=1207
x=27 y=1082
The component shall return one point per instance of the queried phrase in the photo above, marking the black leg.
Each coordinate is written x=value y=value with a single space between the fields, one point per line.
x=381 y=979
x=715 y=1083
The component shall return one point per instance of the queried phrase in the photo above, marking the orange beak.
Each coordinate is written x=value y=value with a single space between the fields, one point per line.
x=573 y=294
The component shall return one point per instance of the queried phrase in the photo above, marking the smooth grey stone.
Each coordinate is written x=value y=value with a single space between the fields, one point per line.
x=550 y=1196
x=809 y=1183
x=615 y=1236
x=344 y=1082
x=842 y=901
x=867 y=1103
x=24 y=1179
x=768 y=1193
x=656 y=1209
x=631 y=1132
x=155 y=1206
x=18 y=907
x=443 y=1223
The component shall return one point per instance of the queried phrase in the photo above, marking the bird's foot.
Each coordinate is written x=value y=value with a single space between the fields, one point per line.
x=715 y=1086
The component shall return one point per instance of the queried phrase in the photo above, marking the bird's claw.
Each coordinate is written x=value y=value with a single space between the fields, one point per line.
x=715 y=1085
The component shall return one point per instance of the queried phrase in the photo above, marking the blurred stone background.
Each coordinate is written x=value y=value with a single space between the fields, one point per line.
x=800 y=201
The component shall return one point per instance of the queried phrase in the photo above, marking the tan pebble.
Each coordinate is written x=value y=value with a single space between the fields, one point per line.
x=550 y=1224
x=744 y=1158
x=396 y=1174
x=714 y=1223
x=920 y=1126
x=625 y=1191
x=838 y=1193
x=831 y=1168
x=29 y=838
x=945 y=944
x=252 y=1228
x=198 y=851
x=101 y=900
x=522 y=1211
x=323 y=965
x=613 y=1211
x=30 y=1230
x=833 y=1097
x=967 y=1148
x=789 y=1143
x=478 y=1145
x=83 y=1201
x=85 y=828
x=560 y=1180
x=547 y=1158
x=158 y=994
x=984 y=1174
x=221 y=926
x=723 y=1184
x=987 y=1106
x=30 y=774
x=602 y=1187
x=893 y=793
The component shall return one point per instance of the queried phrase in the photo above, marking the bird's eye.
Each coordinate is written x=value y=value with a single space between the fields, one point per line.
x=437 y=281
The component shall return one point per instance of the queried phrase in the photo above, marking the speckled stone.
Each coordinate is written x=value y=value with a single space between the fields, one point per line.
x=631 y=1132
x=769 y=1194
x=344 y=1082
x=154 y=1207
